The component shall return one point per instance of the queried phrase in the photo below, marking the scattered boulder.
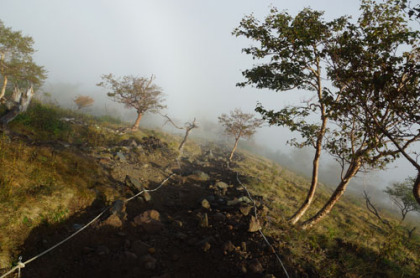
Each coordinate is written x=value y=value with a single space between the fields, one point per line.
x=254 y=225
x=149 y=221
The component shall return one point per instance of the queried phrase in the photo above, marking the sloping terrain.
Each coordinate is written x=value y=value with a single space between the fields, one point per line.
x=199 y=223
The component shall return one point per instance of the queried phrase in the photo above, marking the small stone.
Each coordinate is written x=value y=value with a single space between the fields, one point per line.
x=133 y=183
x=201 y=175
x=76 y=227
x=245 y=210
x=269 y=275
x=151 y=250
x=177 y=223
x=181 y=236
x=139 y=248
x=243 y=246
x=130 y=255
x=205 y=204
x=204 y=221
x=228 y=247
x=113 y=221
x=206 y=246
x=255 y=266
x=222 y=185
x=149 y=221
x=219 y=217
x=102 y=250
x=254 y=225
x=149 y=262
x=146 y=196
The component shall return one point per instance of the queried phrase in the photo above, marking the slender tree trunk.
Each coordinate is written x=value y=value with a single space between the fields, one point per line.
x=181 y=146
x=3 y=89
x=416 y=188
x=234 y=148
x=339 y=191
x=315 y=163
x=136 y=124
x=314 y=182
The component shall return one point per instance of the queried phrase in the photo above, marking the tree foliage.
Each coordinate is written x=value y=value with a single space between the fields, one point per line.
x=16 y=64
x=134 y=92
x=83 y=101
x=367 y=67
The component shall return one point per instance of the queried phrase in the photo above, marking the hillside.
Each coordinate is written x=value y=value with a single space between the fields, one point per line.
x=59 y=170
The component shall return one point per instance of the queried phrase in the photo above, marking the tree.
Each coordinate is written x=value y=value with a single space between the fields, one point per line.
x=370 y=70
x=16 y=64
x=379 y=67
x=239 y=125
x=402 y=196
x=187 y=127
x=293 y=51
x=134 y=92
x=83 y=101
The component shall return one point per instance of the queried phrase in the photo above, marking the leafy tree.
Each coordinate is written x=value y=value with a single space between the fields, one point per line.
x=402 y=196
x=357 y=58
x=379 y=68
x=134 y=92
x=371 y=71
x=239 y=125
x=16 y=62
x=293 y=51
x=83 y=101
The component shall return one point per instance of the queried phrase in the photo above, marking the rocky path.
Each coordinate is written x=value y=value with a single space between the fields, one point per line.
x=199 y=224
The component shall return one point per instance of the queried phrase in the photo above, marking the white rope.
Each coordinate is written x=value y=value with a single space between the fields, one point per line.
x=259 y=228
x=22 y=265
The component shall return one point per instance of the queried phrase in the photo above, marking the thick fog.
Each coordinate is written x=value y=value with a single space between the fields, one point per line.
x=187 y=44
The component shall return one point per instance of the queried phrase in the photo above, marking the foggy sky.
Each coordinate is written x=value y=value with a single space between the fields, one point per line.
x=187 y=44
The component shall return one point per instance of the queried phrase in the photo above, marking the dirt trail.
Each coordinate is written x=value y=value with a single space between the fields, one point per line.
x=196 y=225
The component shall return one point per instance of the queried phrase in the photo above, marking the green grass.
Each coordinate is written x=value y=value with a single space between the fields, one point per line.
x=42 y=186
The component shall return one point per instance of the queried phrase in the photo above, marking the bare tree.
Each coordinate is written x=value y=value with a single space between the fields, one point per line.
x=187 y=127
x=134 y=92
x=83 y=101
x=239 y=125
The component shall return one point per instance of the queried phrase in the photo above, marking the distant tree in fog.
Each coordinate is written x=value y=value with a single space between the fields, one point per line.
x=239 y=125
x=83 y=101
x=401 y=194
x=134 y=92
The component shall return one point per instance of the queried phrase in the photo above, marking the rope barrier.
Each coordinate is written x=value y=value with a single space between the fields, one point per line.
x=259 y=228
x=22 y=265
